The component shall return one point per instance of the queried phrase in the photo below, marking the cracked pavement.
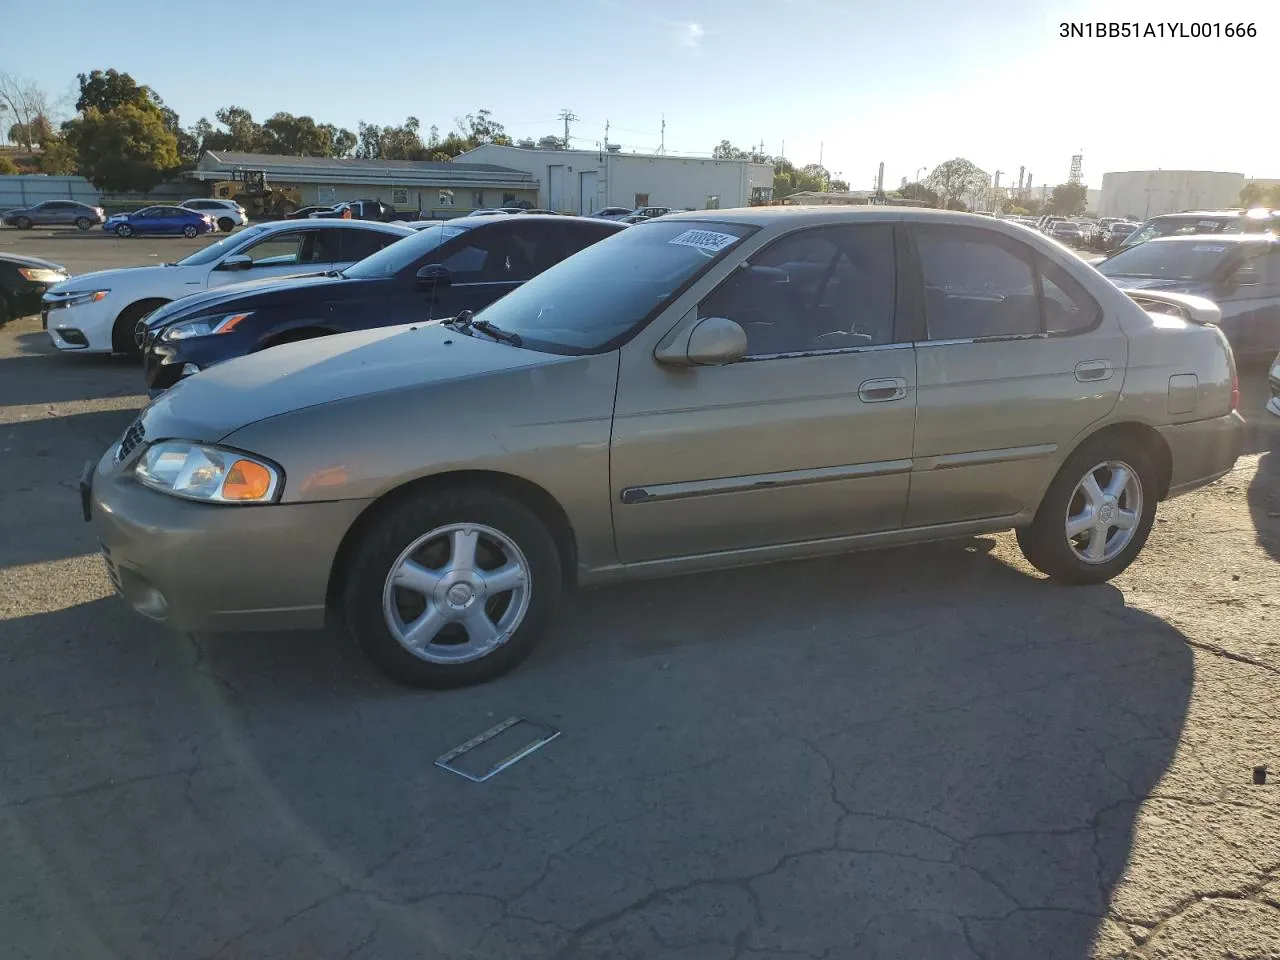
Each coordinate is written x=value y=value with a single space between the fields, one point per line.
x=920 y=753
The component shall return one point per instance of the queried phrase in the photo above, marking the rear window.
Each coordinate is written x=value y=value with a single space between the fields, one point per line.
x=1181 y=260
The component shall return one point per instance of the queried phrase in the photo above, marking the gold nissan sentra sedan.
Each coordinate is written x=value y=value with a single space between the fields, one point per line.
x=704 y=390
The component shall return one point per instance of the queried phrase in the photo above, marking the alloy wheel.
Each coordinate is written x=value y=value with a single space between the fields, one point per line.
x=457 y=593
x=1104 y=512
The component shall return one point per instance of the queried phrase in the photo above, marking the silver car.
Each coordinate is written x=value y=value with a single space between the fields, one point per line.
x=699 y=391
x=55 y=213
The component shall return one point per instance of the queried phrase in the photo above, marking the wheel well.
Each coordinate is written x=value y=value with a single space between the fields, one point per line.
x=294 y=335
x=1151 y=441
x=537 y=499
x=135 y=311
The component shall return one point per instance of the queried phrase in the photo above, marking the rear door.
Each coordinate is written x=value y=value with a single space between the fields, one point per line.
x=1013 y=360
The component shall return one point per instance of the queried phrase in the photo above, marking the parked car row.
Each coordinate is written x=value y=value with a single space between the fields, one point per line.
x=437 y=462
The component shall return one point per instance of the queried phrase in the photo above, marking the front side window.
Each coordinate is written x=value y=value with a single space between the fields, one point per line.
x=829 y=288
x=281 y=249
x=597 y=299
x=976 y=284
x=358 y=244
x=501 y=253
x=221 y=248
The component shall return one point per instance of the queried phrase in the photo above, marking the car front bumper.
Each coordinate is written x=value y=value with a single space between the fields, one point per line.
x=83 y=328
x=212 y=568
x=1203 y=451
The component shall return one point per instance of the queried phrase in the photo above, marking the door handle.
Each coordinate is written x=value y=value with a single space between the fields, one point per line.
x=880 y=391
x=1088 y=371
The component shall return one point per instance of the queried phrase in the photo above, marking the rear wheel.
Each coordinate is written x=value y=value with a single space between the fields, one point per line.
x=1096 y=515
x=190 y=231
x=124 y=230
x=226 y=224
x=453 y=588
x=83 y=224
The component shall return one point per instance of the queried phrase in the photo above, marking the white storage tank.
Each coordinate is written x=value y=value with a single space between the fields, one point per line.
x=1140 y=194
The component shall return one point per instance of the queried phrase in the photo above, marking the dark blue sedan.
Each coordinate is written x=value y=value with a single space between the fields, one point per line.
x=153 y=221
x=1238 y=272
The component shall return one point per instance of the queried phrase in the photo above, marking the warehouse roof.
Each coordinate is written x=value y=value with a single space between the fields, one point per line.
x=220 y=165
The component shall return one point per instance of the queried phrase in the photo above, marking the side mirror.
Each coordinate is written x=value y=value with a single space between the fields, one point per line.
x=433 y=275
x=710 y=342
x=238 y=261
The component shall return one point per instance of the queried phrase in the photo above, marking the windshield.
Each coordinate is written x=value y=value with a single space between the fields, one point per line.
x=1175 y=226
x=594 y=300
x=217 y=250
x=389 y=261
x=1176 y=260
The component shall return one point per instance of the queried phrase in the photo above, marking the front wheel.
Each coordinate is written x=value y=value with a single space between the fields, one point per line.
x=23 y=223
x=453 y=588
x=83 y=224
x=190 y=231
x=1096 y=515
x=124 y=230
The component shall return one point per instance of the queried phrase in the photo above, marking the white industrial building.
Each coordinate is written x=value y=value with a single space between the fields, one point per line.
x=584 y=181
x=1140 y=194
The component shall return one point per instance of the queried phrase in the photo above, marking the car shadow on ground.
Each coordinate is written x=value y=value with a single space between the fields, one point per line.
x=920 y=752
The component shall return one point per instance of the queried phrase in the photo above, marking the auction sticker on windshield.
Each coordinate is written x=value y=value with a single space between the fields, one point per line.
x=704 y=240
x=1206 y=248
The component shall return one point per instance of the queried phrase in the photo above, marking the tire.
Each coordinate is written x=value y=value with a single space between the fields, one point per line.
x=83 y=224
x=122 y=335
x=1046 y=544
x=370 y=602
x=124 y=230
x=190 y=231
x=23 y=223
x=226 y=224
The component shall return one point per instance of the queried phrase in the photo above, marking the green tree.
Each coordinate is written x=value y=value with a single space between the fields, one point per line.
x=918 y=192
x=480 y=127
x=341 y=140
x=1068 y=199
x=7 y=167
x=839 y=186
x=1251 y=196
x=953 y=180
x=725 y=150
x=31 y=134
x=127 y=148
x=57 y=159
x=105 y=90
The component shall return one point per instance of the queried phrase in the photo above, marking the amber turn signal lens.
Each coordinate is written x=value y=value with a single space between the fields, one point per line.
x=246 y=480
x=229 y=324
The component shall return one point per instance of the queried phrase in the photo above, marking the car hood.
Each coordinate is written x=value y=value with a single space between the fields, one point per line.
x=232 y=395
x=103 y=279
x=22 y=260
x=248 y=295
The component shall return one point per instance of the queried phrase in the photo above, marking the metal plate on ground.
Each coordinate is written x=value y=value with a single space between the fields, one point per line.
x=497 y=748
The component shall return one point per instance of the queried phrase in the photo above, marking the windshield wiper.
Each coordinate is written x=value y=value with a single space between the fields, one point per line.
x=495 y=331
x=461 y=322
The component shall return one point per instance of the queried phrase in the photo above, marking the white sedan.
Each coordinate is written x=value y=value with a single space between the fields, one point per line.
x=97 y=312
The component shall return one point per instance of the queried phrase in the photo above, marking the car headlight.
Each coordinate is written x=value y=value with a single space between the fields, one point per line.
x=197 y=471
x=203 y=328
x=82 y=296
x=42 y=274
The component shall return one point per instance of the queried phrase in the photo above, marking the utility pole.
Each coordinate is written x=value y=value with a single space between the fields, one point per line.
x=606 y=134
x=995 y=190
x=662 y=146
x=567 y=116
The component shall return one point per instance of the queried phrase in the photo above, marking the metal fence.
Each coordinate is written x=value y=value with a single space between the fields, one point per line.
x=23 y=190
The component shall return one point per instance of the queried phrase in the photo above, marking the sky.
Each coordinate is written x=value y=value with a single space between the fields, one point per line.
x=850 y=82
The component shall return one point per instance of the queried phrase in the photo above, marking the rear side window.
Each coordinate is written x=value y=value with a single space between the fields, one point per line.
x=1066 y=305
x=976 y=284
x=982 y=285
x=358 y=244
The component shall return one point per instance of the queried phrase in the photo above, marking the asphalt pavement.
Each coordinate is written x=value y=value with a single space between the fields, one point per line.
x=928 y=752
